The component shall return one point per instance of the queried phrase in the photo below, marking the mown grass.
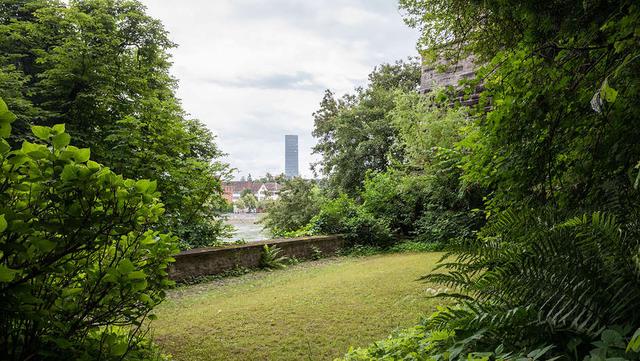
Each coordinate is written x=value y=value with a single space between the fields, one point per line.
x=312 y=311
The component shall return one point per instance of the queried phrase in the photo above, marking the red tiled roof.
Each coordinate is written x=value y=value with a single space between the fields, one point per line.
x=239 y=186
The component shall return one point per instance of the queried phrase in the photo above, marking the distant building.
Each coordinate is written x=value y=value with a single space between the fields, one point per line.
x=262 y=191
x=450 y=75
x=268 y=190
x=291 y=156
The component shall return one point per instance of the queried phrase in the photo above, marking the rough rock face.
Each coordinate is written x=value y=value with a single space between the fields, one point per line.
x=433 y=77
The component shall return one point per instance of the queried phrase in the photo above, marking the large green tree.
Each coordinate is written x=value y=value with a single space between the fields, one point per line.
x=102 y=68
x=354 y=132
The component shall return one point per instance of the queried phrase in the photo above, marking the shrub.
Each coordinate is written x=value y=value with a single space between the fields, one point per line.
x=446 y=226
x=343 y=216
x=316 y=253
x=271 y=258
x=78 y=251
x=432 y=208
x=396 y=197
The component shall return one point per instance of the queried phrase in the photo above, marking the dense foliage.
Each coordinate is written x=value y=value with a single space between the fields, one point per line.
x=555 y=272
x=392 y=164
x=81 y=264
x=102 y=68
x=355 y=133
x=298 y=201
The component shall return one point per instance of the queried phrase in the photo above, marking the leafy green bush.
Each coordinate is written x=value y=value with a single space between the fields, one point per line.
x=395 y=197
x=343 y=216
x=78 y=251
x=316 y=253
x=423 y=343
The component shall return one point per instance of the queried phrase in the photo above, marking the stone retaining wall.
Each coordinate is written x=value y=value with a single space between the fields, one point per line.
x=211 y=261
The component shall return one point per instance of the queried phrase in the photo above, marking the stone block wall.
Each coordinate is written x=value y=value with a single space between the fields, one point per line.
x=216 y=260
x=433 y=77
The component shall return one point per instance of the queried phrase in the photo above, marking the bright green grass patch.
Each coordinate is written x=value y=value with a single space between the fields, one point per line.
x=312 y=311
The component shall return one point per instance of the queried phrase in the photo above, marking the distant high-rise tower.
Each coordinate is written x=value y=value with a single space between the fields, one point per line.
x=291 y=156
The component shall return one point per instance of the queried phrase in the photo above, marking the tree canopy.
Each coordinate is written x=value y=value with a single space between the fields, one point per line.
x=355 y=133
x=102 y=68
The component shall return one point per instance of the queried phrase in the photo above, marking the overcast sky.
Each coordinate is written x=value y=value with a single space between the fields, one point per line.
x=255 y=70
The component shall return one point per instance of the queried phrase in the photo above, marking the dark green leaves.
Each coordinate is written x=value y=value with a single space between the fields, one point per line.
x=3 y=223
x=7 y=274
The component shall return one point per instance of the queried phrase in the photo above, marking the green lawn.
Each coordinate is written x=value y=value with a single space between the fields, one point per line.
x=312 y=311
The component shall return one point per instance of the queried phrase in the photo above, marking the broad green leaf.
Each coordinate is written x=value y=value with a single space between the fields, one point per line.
x=634 y=344
x=139 y=285
x=94 y=166
x=7 y=274
x=125 y=266
x=143 y=185
x=3 y=223
x=69 y=172
x=41 y=132
x=610 y=94
x=82 y=155
x=71 y=291
x=58 y=128
x=136 y=275
x=61 y=140
x=18 y=160
x=6 y=116
x=5 y=130
x=146 y=299
x=110 y=278
x=35 y=151
x=148 y=240
x=4 y=146
x=152 y=186
x=119 y=349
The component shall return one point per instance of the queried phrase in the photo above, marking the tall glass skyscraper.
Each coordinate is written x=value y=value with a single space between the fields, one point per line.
x=290 y=156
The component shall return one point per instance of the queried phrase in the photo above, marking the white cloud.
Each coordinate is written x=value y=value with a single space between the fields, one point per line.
x=353 y=16
x=255 y=70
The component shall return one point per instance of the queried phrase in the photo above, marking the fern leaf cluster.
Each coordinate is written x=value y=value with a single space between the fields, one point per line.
x=530 y=278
